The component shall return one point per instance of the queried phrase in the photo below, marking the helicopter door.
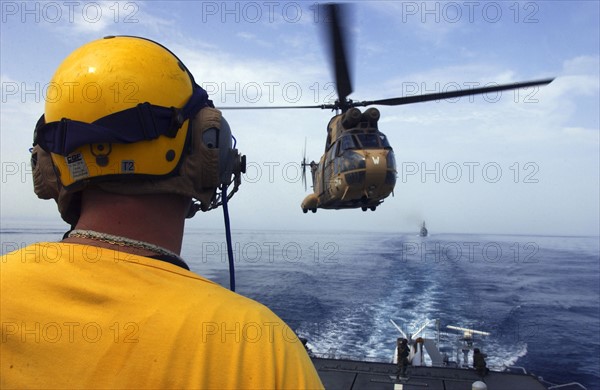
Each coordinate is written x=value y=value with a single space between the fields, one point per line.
x=328 y=170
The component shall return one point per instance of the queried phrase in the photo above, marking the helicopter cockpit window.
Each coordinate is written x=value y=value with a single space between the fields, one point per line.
x=384 y=141
x=368 y=141
x=346 y=143
x=336 y=149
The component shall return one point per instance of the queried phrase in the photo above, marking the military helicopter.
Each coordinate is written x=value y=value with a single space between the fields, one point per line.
x=358 y=167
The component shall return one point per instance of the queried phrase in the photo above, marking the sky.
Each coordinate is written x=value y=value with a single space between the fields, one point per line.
x=524 y=162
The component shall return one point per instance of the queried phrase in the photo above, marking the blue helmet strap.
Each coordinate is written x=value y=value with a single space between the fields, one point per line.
x=140 y=123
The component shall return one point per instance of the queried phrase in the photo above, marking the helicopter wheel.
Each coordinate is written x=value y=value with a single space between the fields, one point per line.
x=373 y=208
x=363 y=208
x=305 y=211
x=314 y=210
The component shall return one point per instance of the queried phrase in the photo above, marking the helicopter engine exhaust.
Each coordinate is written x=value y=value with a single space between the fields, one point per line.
x=351 y=118
x=371 y=115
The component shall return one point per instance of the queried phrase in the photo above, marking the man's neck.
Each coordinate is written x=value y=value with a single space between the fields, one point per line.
x=156 y=219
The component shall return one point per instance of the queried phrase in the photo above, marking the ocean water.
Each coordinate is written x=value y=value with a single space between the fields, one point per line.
x=538 y=296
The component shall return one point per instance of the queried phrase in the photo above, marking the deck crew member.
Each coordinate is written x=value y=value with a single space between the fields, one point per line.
x=479 y=362
x=402 y=357
x=129 y=146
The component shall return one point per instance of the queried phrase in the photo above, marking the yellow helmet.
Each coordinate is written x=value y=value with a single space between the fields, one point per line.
x=124 y=113
x=119 y=105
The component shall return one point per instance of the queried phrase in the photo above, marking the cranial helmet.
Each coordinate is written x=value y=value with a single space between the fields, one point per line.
x=124 y=114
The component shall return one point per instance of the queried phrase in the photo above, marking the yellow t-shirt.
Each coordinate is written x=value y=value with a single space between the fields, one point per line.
x=77 y=316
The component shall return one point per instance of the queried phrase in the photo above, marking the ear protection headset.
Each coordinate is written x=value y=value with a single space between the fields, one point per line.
x=172 y=141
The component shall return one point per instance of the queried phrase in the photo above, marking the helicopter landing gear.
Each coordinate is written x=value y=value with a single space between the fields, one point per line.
x=365 y=208
x=306 y=210
x=314 y=210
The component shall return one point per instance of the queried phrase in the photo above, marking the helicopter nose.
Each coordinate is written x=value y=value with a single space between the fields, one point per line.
x=376 y=167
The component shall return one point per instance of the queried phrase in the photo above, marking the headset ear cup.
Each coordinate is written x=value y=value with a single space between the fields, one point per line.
x=45 y=181
x=225 y=153
x=206 y=130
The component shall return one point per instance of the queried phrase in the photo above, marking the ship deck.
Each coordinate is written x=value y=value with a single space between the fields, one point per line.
x=342 y=374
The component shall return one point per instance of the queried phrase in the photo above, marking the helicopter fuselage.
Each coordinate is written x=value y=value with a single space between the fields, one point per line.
x=358 y=168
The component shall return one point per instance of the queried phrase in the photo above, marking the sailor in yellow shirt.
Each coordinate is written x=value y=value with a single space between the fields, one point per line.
x=77 y=316
x=113 y=306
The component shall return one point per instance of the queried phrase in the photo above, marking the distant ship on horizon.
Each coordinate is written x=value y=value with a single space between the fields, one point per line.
x=423 y=232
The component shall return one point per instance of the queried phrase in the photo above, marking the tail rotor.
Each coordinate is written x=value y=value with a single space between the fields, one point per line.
x=304 y=164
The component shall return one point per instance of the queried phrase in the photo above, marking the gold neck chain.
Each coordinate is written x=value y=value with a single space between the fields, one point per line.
x=123 y=241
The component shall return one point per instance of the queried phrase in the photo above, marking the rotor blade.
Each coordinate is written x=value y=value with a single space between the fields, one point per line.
x=273 y=107
x=304 y=165
x=304 y=150
x=304 y=176
x=466 y=330
x=337 y=34
x=399 y=329
x=421 y=329
x=451 y=94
